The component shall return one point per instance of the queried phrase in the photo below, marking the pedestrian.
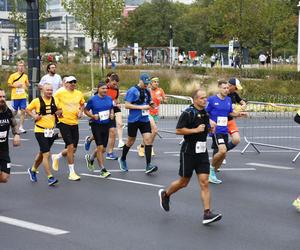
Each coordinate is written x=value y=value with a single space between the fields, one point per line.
x=18 y=82
x=7 y=120
x=52 y=78
x=213 y=60
x=262 y=59
x=138 y=101
x=46 y=110
x=72 y=104
x=193 y=124
x=296 y=202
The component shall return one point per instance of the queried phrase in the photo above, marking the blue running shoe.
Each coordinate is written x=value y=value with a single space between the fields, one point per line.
x=122 y=165
x=52 y=181
x=87 y=143
x=111 y=156
x=150 y=168
x=212 y=176
x=32 y=175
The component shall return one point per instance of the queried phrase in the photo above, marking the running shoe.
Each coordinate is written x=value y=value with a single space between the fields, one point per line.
x=74 y=177
x=164 y=200
x=111 y=156
x=296 y=204
x=55 y=162
x=32 y=175
x=212 y=176
x=210 y=217
x=121 y=144
x=87 y=143
x=141 y=150
x=89 y=163
x=52 y=181
x=104 y=173
x=150 y=168
x=122 y=165
x=22 y=130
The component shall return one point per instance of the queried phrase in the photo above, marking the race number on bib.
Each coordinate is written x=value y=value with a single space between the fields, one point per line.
x=103 y=115
x=20 y=91
x=200 y=147
x=48 y=132
x=3 y=134
x=145 y=112
x=222 y=121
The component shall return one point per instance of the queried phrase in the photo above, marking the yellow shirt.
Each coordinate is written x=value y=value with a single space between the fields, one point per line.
x=70 y=102
x=18 y=93
x=47 y=121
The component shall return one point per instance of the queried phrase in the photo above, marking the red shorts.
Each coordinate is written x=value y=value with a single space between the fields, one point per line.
x=232 y=128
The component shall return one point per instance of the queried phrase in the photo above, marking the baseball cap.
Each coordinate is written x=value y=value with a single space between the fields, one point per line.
x=236 y=82
x=70 y=79
x=145 y=78
x=101 y=84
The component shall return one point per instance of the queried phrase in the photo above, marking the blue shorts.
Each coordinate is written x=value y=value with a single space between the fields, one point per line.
x=19 y=104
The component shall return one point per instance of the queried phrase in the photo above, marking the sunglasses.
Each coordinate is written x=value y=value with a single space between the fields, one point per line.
x=74 y=82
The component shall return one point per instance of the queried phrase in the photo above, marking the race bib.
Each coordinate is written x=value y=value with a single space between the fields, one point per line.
x=3 y=134
x=103 y=115
x=20 y=91
x=145 y=112
x=222 y=121
x=200 y=147
x=48 y=132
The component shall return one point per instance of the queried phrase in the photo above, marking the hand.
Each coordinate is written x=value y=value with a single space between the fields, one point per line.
x=212 y=126
x=243 y=114
x=145 y=107
x=79 y=115
x=95 y=117
x=19 y=85
x=59 y=113
x=200 y=128
x=112 y=116
x=16 y=141
x=37 y=118
x=152 y=105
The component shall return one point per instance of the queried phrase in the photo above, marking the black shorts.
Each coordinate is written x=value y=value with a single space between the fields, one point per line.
x=189 y=163
x=69 y=133
x=133 y=127
x=100 y=133
x=5 y=166
x=45 y=143
x=117 y=109
x=219 y=139
x=112 y=123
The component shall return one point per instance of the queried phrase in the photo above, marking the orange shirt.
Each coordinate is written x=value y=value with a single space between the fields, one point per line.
x=157 y=96
x=113 y=93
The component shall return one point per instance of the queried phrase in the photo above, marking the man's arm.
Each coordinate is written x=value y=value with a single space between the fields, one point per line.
x=129 y=105
x=189 y=131
x=15 y=131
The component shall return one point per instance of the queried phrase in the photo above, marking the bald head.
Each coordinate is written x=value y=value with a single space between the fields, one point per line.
x=47 y=90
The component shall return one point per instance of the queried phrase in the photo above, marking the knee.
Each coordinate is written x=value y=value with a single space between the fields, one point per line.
x=46 y=155
x=222 y=151
x=130 y=142
x=204 y=184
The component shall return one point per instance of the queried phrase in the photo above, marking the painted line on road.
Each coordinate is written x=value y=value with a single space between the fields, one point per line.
x=237 y=169
x=10 y=138
x=119 y=171
x=16 y=165
x=18 y=172
x=32 y=226
x=267 y=166
x=123 y=180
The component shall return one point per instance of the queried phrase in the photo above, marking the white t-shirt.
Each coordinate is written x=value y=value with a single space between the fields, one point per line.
x=262 y=58
x=55 y=81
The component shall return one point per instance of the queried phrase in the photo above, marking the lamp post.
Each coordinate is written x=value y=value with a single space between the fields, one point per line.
x=171 y=45
x=67 y=38
x=298 y=56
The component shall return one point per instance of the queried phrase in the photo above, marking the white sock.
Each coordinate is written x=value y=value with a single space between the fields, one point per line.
x=59 y=155
x=71 y=168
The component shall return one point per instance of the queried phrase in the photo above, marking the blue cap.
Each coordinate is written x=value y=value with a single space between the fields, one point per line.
x=145 y=78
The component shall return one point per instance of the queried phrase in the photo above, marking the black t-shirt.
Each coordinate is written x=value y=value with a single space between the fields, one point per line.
x=235 y=98
x=5 y=122
x=192 y=118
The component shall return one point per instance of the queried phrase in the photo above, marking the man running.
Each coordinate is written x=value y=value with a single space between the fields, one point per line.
x=219 y=107
x=46 y=112
x=138 y=101
x=158 y=96
x=193 y=124
x=100 y=109
x=18 y=82
x=7 y=120
x=72 y=104
x=51 y=78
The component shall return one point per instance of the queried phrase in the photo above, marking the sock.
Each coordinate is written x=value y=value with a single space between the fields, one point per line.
x=49 y=176
x=230 y=146
x=71 y=168
x=206 y=211
x=33 y=169
x=148 y=149
x=59 y=155
x=125 y=152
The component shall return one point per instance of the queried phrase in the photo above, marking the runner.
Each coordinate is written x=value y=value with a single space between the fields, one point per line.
x=158 y=96
x=18 y=82
x=193 y=125
x=51 y=78
x=72 y=104
x=296 y=203
x=100 y=109
x=7 y=120
x=219 y=108
x=138 y=101
x=46 y=109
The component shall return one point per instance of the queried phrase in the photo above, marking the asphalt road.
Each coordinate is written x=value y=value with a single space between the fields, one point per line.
x=94 y=213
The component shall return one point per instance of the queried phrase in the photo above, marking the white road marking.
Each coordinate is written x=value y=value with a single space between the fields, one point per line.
x=16 y=165
x=267 y=166
x=118 y=170
x=18 y=172
x=10 y=138
x=122 y=180
x=237 y=169
x=32 y=226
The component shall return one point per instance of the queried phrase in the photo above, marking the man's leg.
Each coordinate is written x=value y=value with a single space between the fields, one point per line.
x=119 y=124
x=148 y=151
x=219 y=156
x=4 y=177
x=205 y=193
x=110 y=155
x=22 y=118
x=235 y=140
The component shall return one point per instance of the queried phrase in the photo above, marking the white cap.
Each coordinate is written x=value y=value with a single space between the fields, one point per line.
x=70 y=79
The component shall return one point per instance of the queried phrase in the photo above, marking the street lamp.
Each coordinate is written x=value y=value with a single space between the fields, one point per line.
x=298 y=57
x=171 y=45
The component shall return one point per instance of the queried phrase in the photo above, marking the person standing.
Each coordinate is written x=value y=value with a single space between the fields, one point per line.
x=47 y=110
x=72 y=104
x=138 y=101
x=52 y=78
x=262 y=59
x=18 y=82
x=7 y=120
x=193 y=124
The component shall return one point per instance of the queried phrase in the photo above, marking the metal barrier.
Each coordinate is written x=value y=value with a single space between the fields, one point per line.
x=271 y=125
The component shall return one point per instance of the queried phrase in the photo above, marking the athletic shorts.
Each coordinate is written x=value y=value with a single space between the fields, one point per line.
x=5 y=166
x=232 y=127
x=45 y=143
x=117 y=109
x=219 y=139
x=100 y=133
x=133 y=127
x=112 y=123
x=189 y=163
x=155 y=118
x=19 y=104
x=69 y=133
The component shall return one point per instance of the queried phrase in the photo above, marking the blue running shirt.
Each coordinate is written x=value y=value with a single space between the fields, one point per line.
x=100 y=106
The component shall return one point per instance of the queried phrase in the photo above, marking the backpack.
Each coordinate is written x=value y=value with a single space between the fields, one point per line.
x=143 y=94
